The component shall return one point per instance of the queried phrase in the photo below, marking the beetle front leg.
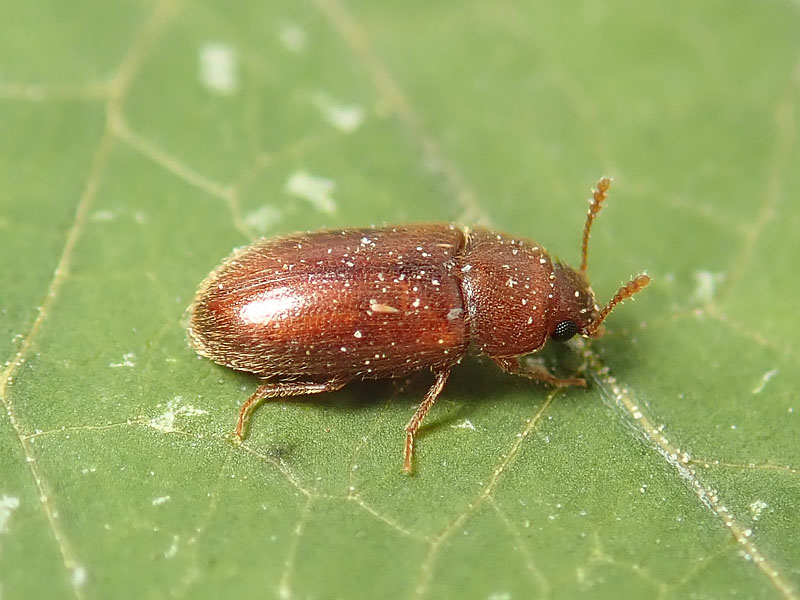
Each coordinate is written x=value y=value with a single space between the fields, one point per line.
x=281 y=389
x=422 y=410
x=511 y=365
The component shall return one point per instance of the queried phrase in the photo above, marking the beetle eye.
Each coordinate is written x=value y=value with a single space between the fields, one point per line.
x=564 y=331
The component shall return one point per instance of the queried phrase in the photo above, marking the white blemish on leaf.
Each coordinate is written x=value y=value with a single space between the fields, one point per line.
x=756 y=508
x=764 y=379
x=173 y=549
x=345 y=117
x=8 y=504
x=262 y=219
x=127 y=361
x=166 y=422
x=102 y=216
x=160 y=500
x=707 y=283
x=465 y=424
x=317 y=190
x=79 y=576
x=219 y=68
x=293 y=37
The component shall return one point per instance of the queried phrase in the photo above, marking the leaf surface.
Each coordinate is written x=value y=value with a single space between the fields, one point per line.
x=141 y=141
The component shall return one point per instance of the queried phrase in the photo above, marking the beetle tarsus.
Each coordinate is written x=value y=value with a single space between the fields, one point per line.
x=409 y=451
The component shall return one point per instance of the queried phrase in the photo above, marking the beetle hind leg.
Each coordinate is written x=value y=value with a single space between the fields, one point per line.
x=281 y=389
x=512 y=365
x=422 y=410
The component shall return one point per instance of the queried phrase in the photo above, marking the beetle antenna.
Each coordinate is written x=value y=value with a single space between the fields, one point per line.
x=595 y=204
x=635 y=285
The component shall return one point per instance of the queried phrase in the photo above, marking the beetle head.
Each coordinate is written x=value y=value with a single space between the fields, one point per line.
x=576 y=310
x=574 y=307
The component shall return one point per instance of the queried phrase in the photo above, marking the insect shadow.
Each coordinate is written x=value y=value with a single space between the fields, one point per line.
x=475 y=382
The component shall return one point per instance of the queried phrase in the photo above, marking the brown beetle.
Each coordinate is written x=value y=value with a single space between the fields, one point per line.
x=312 y=311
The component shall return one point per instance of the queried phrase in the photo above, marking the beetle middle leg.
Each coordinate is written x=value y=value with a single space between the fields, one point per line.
x=511 y=365
x=282 y=389
x=422 y=410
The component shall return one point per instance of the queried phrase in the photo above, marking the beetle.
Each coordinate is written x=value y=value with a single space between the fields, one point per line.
x=308 y=313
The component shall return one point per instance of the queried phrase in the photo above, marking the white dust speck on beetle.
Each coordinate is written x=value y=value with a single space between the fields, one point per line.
x=454 y=314
x=316 y=190
x=166 y=421
x=219 y=68
x=345 y=117
x=764 y=379
x=8 y=504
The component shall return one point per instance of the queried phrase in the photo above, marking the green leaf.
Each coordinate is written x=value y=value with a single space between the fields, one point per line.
x=141 y=141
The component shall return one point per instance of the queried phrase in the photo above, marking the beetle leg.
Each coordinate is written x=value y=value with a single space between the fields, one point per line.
x=422 y=410
x=510 y=364
x=281 y=389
